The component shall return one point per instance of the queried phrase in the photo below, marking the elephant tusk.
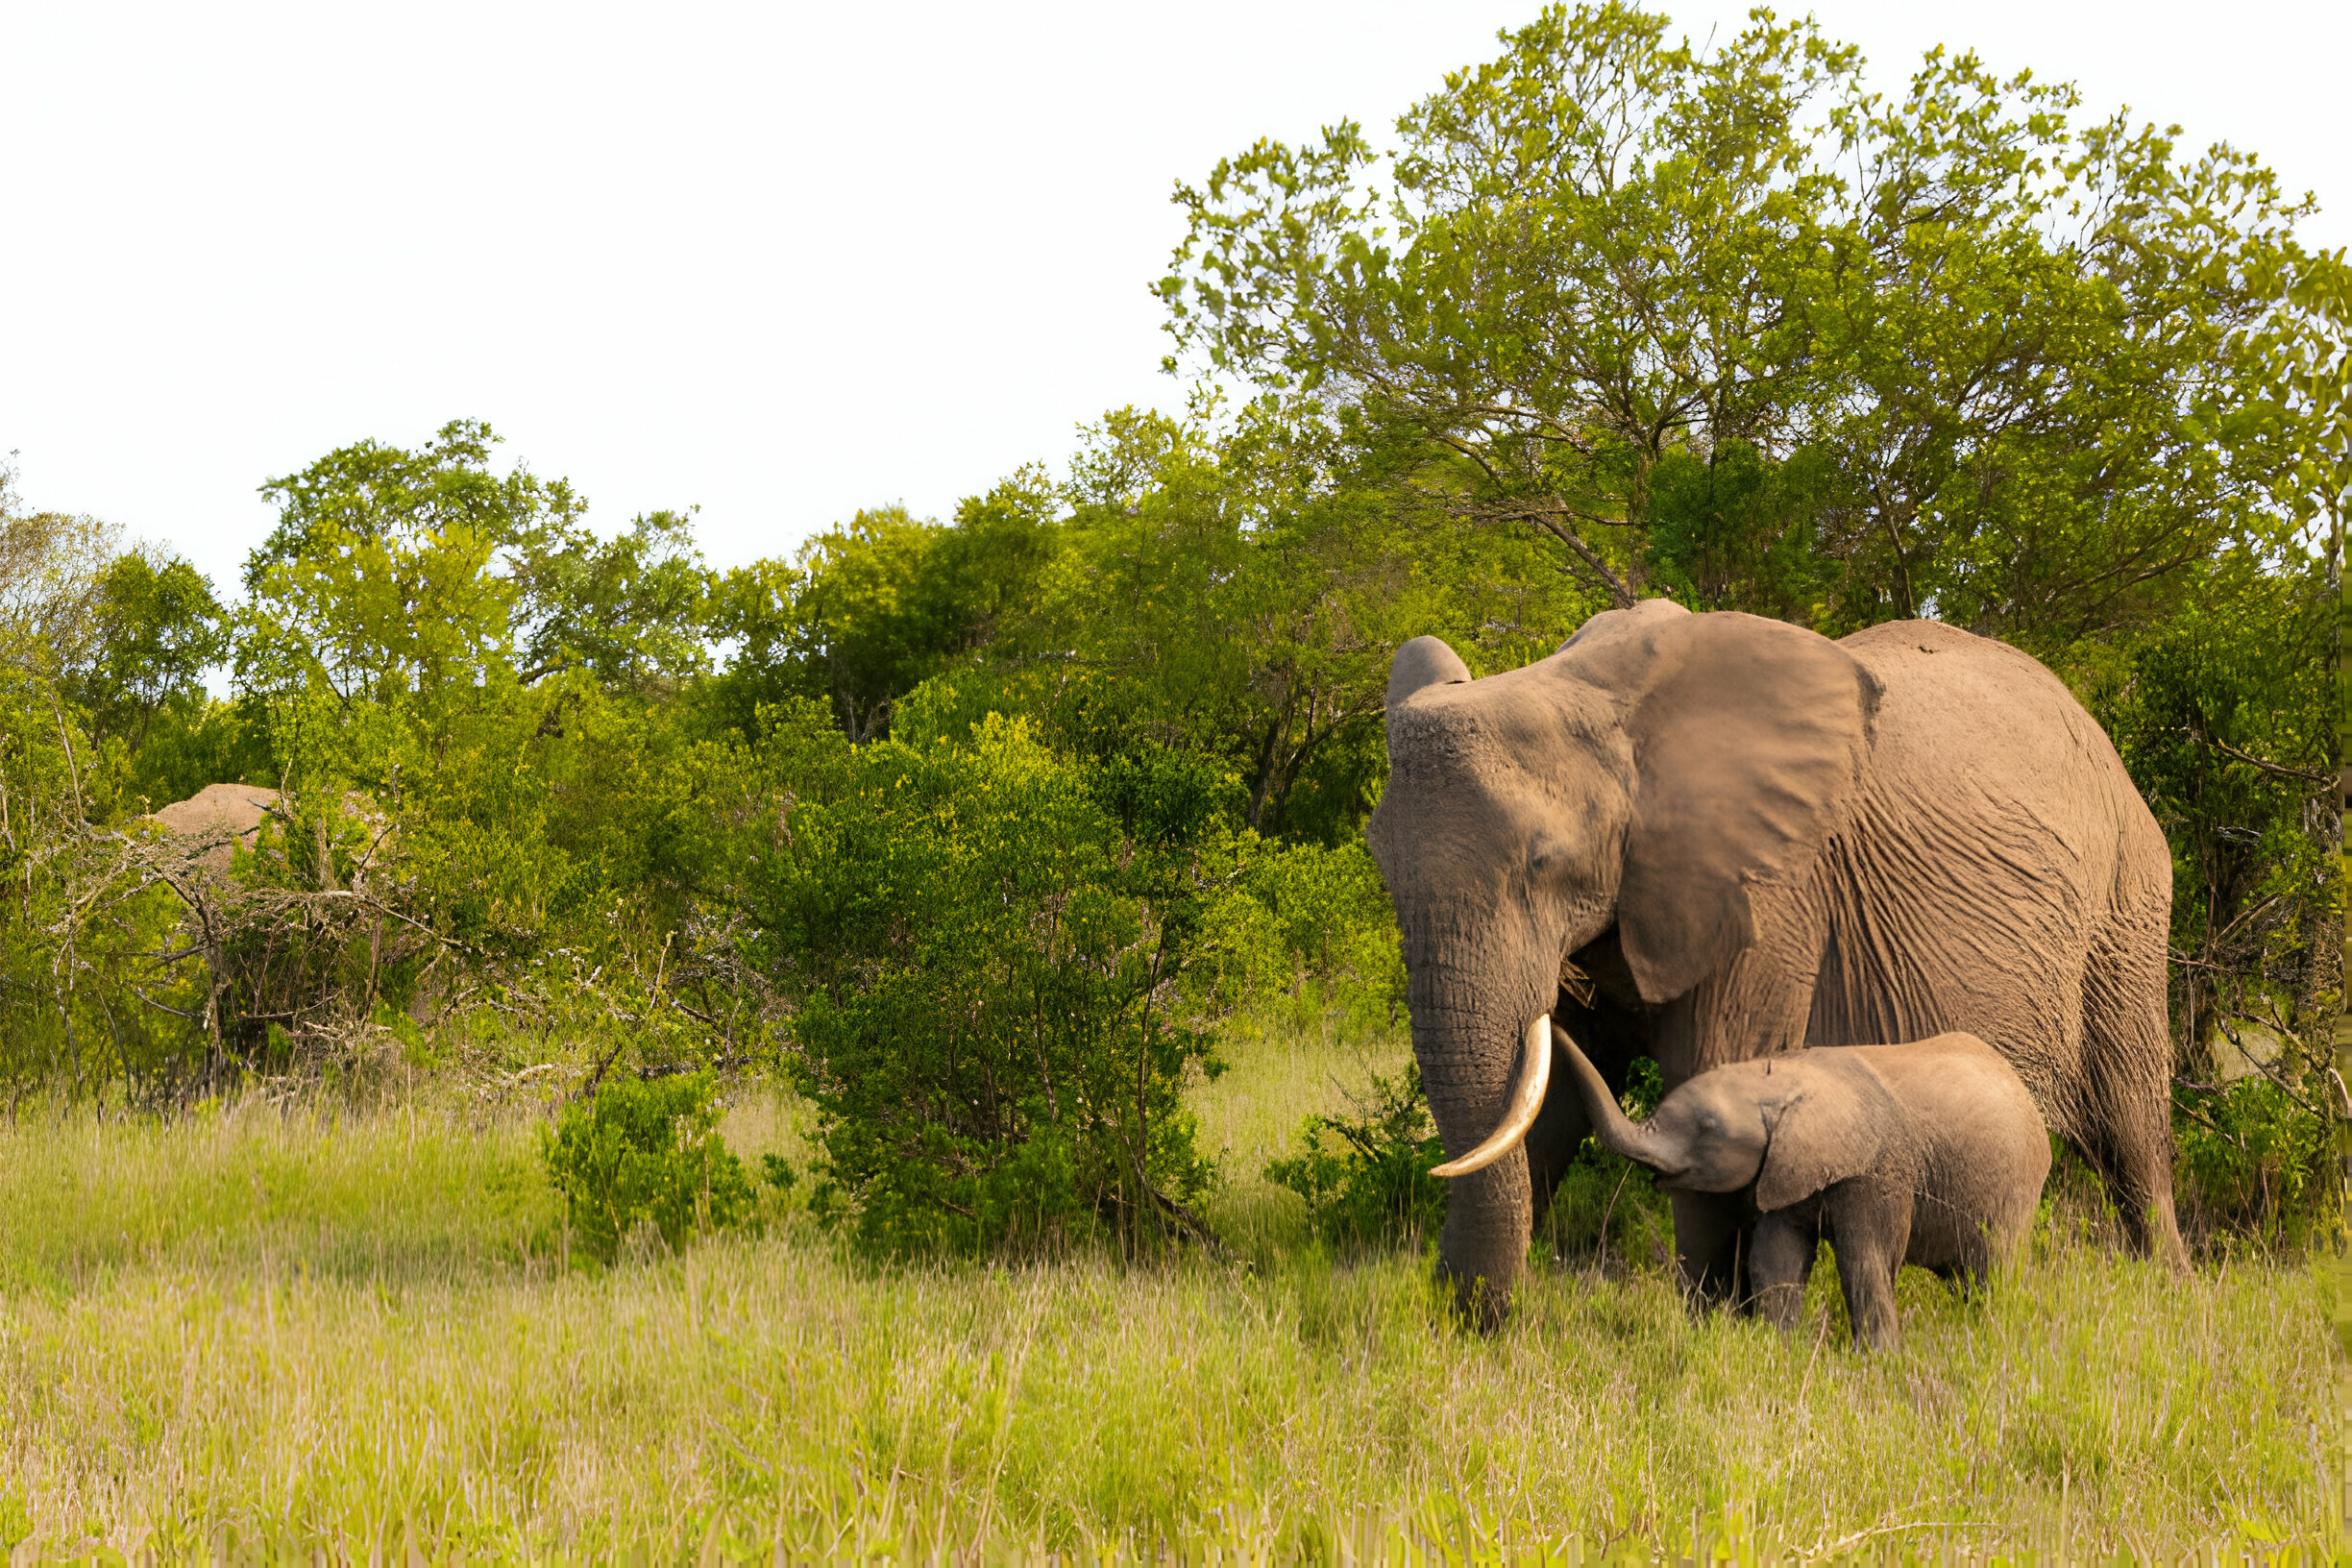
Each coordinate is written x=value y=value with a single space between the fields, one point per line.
x=1527 y=1098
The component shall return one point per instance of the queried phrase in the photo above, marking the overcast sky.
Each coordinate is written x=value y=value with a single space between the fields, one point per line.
x=782 y=261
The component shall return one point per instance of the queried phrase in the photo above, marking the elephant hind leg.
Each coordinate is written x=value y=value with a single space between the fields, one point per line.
x=2127 y=1137
x=2124 y=1118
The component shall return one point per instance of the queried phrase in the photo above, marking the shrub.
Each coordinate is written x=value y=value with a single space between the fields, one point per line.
x=1366 y=1177
x=640 y=1151
x=1003 y=989
x=1333 y=947
x=2253 y=1159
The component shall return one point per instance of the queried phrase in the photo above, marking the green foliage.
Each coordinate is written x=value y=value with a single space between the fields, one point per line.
x=641 y=1152
x=1365 y=1176
x=1002 y=994
x=989 y=825
x=630 y=610
x=2024 y=367
x=50 y=566
x=1738 y=531
x=876 y=607
x=2255 y=1160
x=1317 y=936
x=158 y=628
x=379 y=581
x=90 y=992
x=1219 y=594
x=2224 y=717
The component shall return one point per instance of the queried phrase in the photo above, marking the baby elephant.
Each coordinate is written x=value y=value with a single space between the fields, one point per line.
x=1931 y=1154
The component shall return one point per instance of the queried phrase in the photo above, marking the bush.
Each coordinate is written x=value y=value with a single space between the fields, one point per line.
x=1366 y=1177
x=640 y=1151
x=2253 y=1159
x=1002 y=991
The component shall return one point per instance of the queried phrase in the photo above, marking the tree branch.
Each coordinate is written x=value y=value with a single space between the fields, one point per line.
x=2281 y=770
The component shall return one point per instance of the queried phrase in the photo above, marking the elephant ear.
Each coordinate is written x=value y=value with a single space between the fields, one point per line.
x=1424 y=661
x=1748 y=739
x=1834 y=1127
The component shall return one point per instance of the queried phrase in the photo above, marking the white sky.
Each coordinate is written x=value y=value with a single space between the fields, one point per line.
x=782 y=261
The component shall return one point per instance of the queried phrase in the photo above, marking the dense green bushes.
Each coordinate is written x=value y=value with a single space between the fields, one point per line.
x=1010 y=963
x=2255 y=1161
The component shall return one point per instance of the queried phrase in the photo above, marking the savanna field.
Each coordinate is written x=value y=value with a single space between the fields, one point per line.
x=278 y=1327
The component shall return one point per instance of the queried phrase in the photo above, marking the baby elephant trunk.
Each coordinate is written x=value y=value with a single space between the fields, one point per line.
x=1636 y=1141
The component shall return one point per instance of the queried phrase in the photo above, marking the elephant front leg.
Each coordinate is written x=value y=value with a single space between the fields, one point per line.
x=1710 y=1233
x=1482 y=1247
x=1870 y=1226
x=1779 y=1262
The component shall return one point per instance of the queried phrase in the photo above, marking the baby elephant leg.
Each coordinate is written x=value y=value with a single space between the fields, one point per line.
x=1780 y=1261
x=1870 y=1226
x=1967 y=1273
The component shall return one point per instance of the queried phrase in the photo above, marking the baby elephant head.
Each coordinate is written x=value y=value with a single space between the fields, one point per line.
x=1787 y=1126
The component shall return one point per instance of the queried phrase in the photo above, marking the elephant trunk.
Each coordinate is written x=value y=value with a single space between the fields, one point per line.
x=1469 y=1022
x=1636 y=1141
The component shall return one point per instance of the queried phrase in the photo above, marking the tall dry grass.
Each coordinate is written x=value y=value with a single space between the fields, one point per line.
x=275 y=1331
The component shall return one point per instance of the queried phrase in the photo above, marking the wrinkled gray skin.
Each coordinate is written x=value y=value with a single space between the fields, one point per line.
x=1709 y=838
x=1930 y=1154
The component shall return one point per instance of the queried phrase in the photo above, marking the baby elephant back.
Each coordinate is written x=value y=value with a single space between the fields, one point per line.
x=1983 y=1153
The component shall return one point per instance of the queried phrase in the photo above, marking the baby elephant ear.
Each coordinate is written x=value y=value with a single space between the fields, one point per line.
x=1424 y=661
x=1834 y=1127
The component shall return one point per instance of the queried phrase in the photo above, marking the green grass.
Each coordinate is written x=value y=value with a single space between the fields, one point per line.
x=270 y=1331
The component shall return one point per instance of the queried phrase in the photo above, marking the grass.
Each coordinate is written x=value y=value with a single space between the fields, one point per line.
x=271 y=1331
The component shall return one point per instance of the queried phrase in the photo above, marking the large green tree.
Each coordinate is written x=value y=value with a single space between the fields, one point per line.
x=1997 y=347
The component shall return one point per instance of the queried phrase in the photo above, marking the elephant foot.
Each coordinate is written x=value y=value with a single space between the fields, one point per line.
x=1476 y=1302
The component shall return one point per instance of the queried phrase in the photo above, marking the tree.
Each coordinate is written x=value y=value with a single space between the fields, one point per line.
x=377 y=583
x=2225 y=721
x=1583 y=258
x=875 y=606
x=854 y=621
x=1994 y=352
x=632 y=610
x=51 y=565
x=158 y=628
x=1224 y=593
x=2039 y=417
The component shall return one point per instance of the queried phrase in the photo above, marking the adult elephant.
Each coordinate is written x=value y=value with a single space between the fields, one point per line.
x=1711 y=837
